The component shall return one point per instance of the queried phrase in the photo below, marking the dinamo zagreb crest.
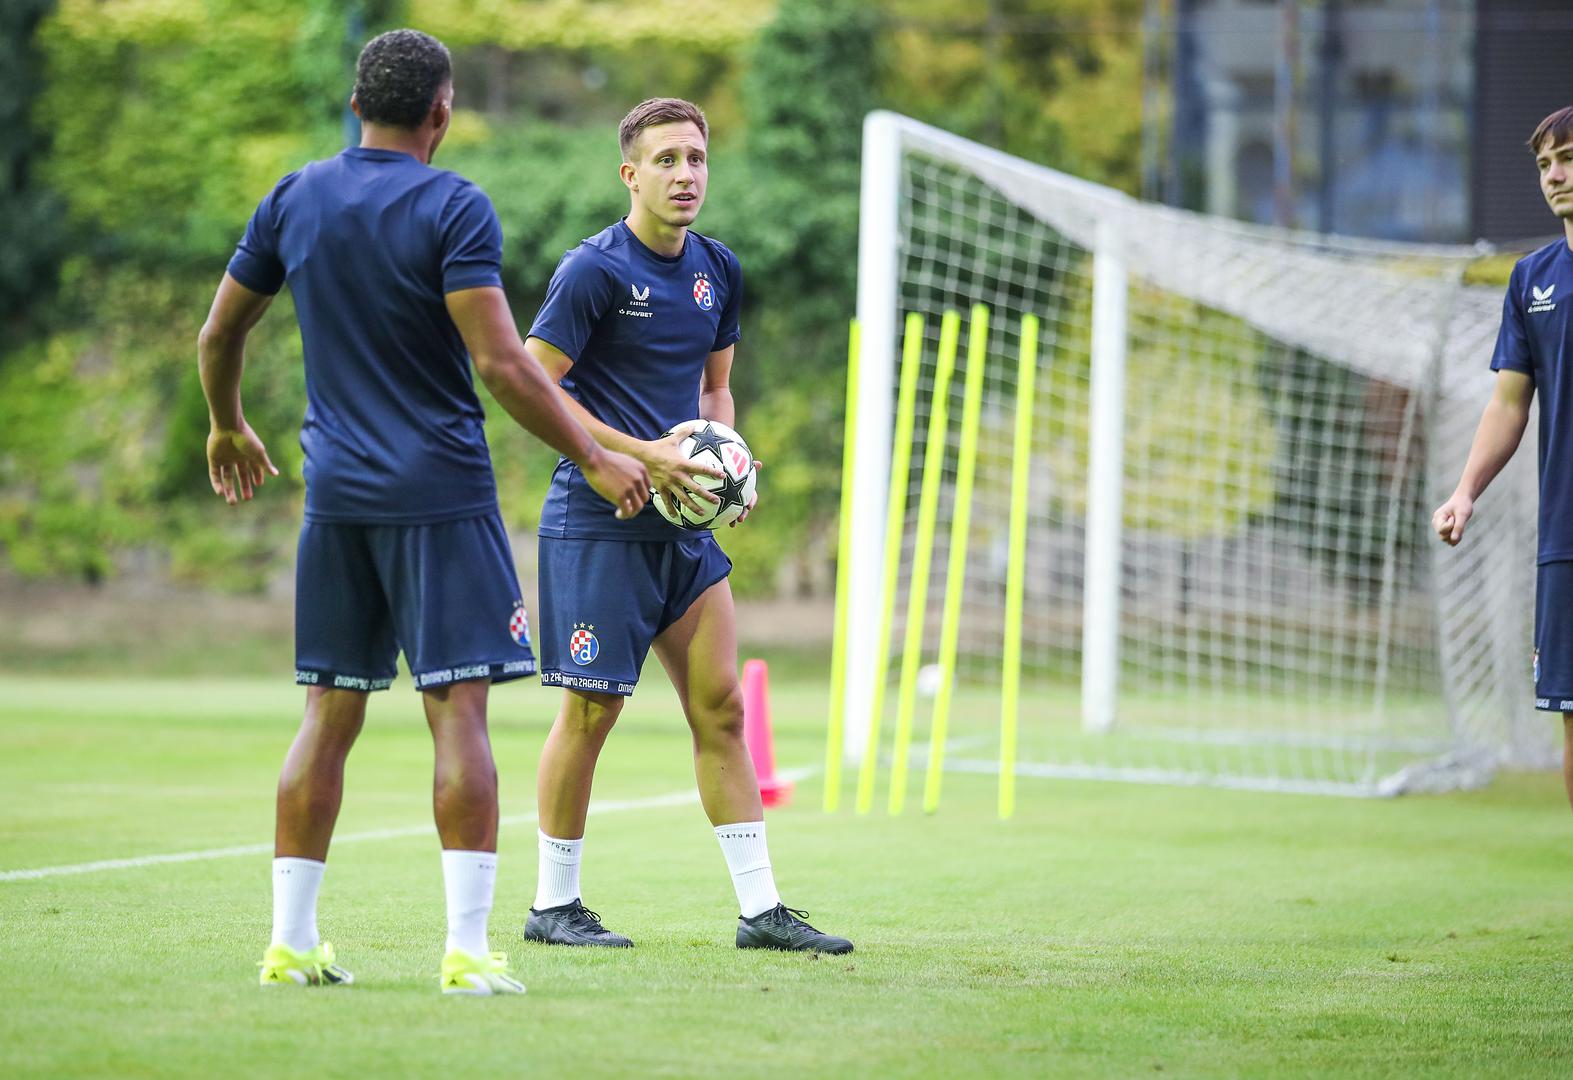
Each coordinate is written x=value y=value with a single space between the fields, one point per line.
x=519 y=625
x=583 y=645
x=704 y=295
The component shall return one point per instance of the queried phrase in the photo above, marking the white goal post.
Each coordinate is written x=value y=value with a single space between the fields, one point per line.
x=1238 y=433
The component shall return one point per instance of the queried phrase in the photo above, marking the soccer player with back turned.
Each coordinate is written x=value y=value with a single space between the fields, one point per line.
x=638 y=327
x=394 y=267
x=1534 y=353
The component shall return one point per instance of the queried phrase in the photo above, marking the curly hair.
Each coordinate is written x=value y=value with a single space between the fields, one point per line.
x=655 y=111
x=398 y=75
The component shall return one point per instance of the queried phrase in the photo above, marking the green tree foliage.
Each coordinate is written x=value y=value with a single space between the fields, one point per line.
x=1054 y=81
x=101 y=446
x=810 y=82
x=170 y=120
x=33 y=237
x=707 y=26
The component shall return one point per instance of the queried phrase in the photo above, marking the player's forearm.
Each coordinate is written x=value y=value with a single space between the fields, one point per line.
x=608 y=437
x=1501 y=428
x=525 y=394
x=717 y=405
x=220 y=360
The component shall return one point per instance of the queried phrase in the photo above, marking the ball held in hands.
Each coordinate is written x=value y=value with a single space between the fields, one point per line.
x=714 y=443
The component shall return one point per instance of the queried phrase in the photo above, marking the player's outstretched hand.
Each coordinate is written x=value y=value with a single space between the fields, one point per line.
x=753 y=500
x=237 y=463
x=1451 y=517
x=672 y=472
x=619 y=479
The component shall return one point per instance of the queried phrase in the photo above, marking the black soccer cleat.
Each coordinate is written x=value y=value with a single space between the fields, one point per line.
x=571 y=924
x=783 y=928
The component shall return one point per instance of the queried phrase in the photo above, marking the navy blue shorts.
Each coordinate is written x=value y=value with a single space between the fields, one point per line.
x=1554 y=636
x=446 y=594
x=603 y=602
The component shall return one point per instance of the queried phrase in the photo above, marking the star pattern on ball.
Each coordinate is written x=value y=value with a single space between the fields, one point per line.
x=730 y=493
x=708 y=438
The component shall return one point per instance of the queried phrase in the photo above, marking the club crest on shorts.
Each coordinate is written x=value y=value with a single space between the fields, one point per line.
x=583 y=645
x=704 y=295
x=519 y=625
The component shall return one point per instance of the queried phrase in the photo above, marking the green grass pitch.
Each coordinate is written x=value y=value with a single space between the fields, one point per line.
x=1108 y=930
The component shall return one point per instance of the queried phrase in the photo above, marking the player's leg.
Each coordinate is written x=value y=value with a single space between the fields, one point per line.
x=311 y=784
x=464 y=784
x=599 y=609
x=1553 y=659
x=456 y=604
x=699 y=652
x=1567 y=755
x=344 y=649
x=464 y=803
x=562 y=792
x=567 y=769
x=310 y=789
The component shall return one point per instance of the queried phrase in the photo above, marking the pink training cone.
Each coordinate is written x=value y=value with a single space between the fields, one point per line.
x=773 y=790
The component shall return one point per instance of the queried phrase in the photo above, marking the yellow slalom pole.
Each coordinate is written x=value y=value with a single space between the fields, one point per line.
x=956 y=573
x=838 y=655
x=895 y=519
x=922 y=554
x=1016 y=574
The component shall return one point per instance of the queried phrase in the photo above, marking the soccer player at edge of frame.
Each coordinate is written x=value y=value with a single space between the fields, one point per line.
x=395 y=270
x=638 y=328
x=1534 y=350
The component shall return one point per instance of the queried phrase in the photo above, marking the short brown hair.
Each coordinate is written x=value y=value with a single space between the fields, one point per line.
x=661 y=110
x=1558 y=127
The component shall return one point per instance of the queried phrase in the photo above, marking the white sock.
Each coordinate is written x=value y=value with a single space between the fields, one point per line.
x=468 y=879
x=748 y=859
x=558 y=881
x=295 y=886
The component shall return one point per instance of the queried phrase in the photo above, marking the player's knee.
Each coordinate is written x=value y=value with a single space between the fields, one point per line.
x=590 y=715
x=466 y=777
x=307 y=795
x=720 y=716
x=335 y=716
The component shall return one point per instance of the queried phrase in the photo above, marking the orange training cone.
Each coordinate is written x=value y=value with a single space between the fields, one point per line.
x=773 y=790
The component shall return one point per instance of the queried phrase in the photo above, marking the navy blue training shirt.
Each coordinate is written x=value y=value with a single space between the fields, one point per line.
x=638 y=327
x=369 y=242
x=1534 y=339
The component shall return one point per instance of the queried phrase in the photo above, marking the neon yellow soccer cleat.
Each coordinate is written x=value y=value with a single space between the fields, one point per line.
x=464 y=973
x=283 y=966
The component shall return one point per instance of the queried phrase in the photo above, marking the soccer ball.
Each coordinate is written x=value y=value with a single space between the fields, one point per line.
x=708 y=439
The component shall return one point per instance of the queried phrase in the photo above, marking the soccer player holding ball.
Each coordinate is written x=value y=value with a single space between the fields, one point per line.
x=394 y=267
x=638 y=328
x=1533 y=352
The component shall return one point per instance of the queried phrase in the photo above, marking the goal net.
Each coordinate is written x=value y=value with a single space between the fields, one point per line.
x=1237 y=436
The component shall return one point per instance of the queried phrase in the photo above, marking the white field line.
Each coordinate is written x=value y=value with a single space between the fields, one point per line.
x=652 y=802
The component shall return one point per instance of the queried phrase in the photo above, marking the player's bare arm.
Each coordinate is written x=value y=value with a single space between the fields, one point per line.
x=715 y=389
x=1497 y=437
x=671 y=473
x=520 y=386
x=237 y=460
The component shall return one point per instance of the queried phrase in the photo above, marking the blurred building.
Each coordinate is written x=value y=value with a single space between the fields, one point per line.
x=1399 y=119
